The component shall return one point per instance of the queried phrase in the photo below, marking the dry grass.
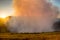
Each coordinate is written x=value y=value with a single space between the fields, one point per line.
x=35 y=36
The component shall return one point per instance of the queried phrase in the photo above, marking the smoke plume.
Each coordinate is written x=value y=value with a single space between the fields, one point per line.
x=32 y=16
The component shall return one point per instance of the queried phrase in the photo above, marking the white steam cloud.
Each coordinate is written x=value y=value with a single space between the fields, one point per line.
x=32 y=16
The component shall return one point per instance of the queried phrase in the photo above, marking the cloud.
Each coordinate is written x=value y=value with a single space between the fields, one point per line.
x=32 y=16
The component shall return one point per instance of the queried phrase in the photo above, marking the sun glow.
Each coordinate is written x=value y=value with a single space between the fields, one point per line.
x=3 y=16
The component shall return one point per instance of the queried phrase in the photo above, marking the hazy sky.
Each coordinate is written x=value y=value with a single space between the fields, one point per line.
x=56 y=2
x=6 y=6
